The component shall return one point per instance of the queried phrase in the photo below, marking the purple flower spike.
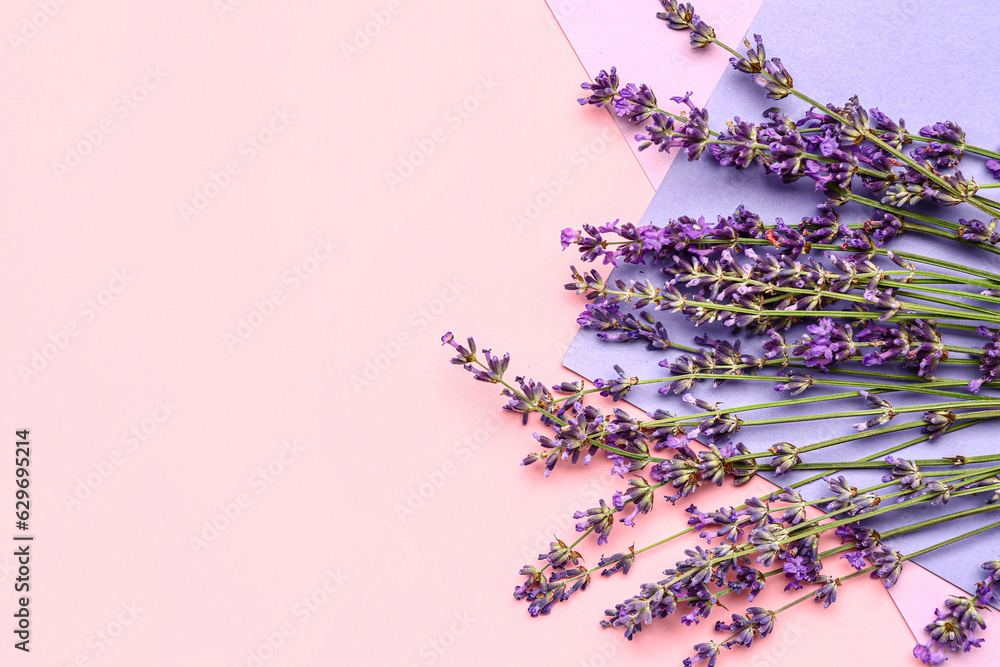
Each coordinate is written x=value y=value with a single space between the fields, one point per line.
x=978 y=231
x=889 y=131
x=925 y=655
x=989 y=365
x=603 y=90
x=742 y=152
x=702 y=34
x=827 y=593
x=706 y=651
x=786 y=459
x=620 y=562
x=677 y=15
x=660 y=133
x=638 y=103
x=560 y=555
x=465 y=355
x=617 y=387
x=778 y=83
x=994 y=167
x=753 y=62
x=602 y=519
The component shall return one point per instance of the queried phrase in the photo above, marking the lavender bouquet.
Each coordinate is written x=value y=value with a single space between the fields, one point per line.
x=837 y=321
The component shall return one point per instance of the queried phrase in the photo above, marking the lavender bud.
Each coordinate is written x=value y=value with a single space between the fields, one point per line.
x=677 y=15
x=753 y=62
x=786 y=459
x=938 y=423
x=779 y=84
x=602 y=90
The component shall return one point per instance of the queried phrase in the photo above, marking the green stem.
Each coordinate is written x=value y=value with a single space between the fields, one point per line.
x=919 y=388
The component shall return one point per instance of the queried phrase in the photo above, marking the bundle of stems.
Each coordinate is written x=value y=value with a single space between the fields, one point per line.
x=833 y=312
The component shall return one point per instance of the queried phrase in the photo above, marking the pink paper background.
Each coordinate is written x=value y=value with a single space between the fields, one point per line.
x=304 y=442
x=628 y=36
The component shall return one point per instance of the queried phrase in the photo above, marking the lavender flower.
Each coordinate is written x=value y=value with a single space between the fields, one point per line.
x=742 y=149
x=844 y=491
x=856 y=559
x=753 y=62
x=705 y=651
x=601 y=519
x=660 y=133
x=641 y=494
x=560 y=555
x=989 y=360
x=638 y=103
x=786 y=459
x=979 y=232
x=777 y=82
x=889 y=131
x=683 y=473
x=994 y=167
x=827 y=593
x=533 y=580
x=694 y=134
x=938 y=422
x=857 y=130
x=928 y=350
x=907 y=473
x=534 y=396
x=927 y=655
x=767 y=543
x=884 y=227
x=677 y=15
x=955 y=627
x=620 y=562
x=797 y=383
x=602 y=90
x=947 y=152
x=826 y=344
x=890 y=565
x=881 y=299
x=702 y=34
x=464 y=356
x=876 y=403
x=618 y=387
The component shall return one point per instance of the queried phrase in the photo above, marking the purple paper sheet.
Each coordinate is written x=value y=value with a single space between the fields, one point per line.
x=938 y=74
